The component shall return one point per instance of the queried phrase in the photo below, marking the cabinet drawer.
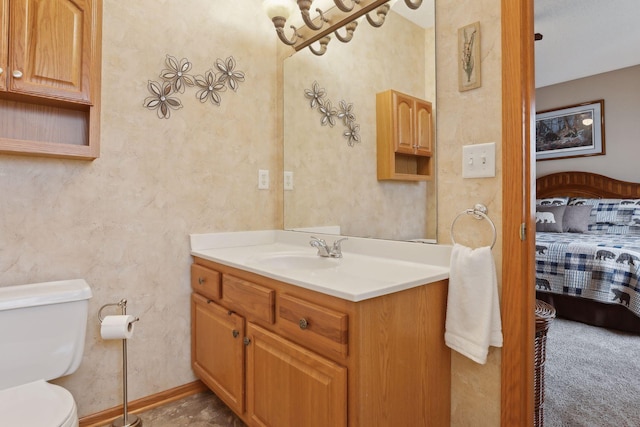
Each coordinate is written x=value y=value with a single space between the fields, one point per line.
x=205 y=281
x=314 y=326
x=253 y=301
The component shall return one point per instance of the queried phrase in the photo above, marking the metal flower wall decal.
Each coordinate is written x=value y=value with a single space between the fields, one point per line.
x=344 y=113
x=176 y=78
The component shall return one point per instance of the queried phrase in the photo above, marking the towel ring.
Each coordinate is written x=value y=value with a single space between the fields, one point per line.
x=479 y=211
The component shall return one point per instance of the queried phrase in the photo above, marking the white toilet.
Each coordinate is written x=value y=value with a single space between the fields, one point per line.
x=42 y=332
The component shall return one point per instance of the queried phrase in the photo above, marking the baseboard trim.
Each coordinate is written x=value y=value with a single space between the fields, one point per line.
x=107 y=416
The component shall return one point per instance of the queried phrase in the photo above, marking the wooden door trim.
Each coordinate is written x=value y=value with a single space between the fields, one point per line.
x=518 y=296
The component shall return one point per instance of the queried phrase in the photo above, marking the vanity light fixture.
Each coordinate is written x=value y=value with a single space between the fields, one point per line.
x=343 y=13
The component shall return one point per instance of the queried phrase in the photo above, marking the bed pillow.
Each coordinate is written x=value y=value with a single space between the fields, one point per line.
x=576 y=219
x=609 y=211
x=552 y=201
x=549 y=218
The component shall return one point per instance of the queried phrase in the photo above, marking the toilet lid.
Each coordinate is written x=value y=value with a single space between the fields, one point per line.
x=36 y=404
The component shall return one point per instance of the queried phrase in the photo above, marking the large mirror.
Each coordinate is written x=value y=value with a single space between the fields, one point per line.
x=334 y=176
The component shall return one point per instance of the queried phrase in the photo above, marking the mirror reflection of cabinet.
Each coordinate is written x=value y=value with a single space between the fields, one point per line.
x=404 y=137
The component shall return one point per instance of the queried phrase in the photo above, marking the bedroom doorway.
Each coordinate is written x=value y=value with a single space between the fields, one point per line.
x=603 y=345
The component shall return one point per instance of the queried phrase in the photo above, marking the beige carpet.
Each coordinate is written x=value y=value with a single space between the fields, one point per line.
x=592 y=377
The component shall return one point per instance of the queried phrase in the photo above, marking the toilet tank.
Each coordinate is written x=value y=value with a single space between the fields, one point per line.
x=42 y=330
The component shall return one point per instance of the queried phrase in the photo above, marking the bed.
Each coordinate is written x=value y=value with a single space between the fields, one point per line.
x=588 y=248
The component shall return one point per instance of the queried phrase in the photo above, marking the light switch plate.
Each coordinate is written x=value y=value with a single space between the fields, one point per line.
x=479 y=160
x=263 y=179
x=288 y=180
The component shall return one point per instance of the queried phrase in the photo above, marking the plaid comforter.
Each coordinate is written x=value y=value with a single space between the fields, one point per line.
x=601 y=267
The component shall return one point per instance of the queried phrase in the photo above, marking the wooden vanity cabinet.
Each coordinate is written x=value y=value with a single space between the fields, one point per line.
x=218 y=351
x=404 y=137
x=288 y=385
x=50 y=67
x=310 y=359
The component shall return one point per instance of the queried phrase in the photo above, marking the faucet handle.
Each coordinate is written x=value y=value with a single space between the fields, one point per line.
x=336 y=249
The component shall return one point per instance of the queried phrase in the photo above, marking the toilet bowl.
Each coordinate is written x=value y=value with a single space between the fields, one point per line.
x=42 y=328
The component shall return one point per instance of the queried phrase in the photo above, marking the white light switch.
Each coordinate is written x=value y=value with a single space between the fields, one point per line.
x=479 y=160
x=288 y=180
x=263 y=179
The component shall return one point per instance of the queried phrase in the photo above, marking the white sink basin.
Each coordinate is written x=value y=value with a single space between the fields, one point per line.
x=368 y=268
x=293 y=261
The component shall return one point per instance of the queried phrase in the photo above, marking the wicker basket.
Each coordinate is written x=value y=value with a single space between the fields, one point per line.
x=545 y=314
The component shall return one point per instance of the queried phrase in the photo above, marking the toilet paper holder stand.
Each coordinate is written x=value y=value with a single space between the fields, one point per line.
x=127 y=420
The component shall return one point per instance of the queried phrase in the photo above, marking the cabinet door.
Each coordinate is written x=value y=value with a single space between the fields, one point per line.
x=217 y=351
x=4 y=40
x=51 y=48
x=289 y=386
x=423 y=131
x=403 y=112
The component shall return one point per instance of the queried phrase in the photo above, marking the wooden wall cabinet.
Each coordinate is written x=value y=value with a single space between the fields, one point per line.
x=283 y=356
x=50 y=65
x=404 y=127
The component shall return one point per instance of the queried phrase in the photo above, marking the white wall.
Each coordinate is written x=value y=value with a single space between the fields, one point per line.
x=620 y=90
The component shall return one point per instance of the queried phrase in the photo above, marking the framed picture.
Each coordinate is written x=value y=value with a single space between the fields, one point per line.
x=469 y=57
x=572 y=131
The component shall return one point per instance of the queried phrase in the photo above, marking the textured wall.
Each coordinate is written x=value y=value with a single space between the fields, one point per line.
x=470 y=117
x=122 y=221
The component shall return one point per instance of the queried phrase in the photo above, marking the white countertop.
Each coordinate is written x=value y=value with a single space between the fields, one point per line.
x=368 y=268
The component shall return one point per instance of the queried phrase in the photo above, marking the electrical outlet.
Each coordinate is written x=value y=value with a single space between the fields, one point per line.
x=479 y=160
x=263 y=179
x=288 y=180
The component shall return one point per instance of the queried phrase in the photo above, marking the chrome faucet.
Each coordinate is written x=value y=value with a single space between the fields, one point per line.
x=324 y=250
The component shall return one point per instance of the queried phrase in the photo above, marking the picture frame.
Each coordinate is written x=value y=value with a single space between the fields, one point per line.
x=469 y=76
x=571 y=131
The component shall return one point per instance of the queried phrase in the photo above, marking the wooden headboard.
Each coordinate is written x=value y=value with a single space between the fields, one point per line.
x=585 y=184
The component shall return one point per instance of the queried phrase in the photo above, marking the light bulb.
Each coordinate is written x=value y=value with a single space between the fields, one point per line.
x=274 y=8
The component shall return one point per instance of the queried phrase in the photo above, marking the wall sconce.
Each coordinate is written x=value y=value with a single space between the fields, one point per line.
x=343 y=13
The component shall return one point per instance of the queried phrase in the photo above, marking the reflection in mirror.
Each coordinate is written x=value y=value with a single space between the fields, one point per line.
x=334 y=176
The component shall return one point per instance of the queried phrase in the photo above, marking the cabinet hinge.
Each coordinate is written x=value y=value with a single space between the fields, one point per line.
x=523 y=231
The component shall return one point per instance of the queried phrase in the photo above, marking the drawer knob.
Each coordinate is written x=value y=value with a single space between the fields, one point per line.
x=235 y=333
x=246 y=341
x=1 y=71
x=304 y=324
x=17 y=74
x=201 y=280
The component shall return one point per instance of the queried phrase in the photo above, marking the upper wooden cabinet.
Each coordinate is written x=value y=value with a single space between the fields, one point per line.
x=4 y=41
x=49 y=48
x=50 y=63
x=404 y=137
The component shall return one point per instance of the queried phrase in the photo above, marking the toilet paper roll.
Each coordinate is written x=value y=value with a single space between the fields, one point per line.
x=117 y=327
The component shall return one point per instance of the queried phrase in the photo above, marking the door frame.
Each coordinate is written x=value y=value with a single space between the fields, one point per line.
x=518 y=191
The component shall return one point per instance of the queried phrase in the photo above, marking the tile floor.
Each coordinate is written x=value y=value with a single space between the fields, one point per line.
x=200 y=410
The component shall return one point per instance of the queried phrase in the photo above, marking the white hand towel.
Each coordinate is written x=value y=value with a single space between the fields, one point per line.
x=473 y=310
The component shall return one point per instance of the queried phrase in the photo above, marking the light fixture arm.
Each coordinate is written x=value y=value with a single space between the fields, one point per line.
x=350 y=28
x=413 y=4
x=382 y=15
x=340 y=4
x=278 y=22
x=304 y=6
x=323 y=46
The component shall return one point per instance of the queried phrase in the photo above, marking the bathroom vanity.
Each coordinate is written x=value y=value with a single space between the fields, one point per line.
x=284 y=345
